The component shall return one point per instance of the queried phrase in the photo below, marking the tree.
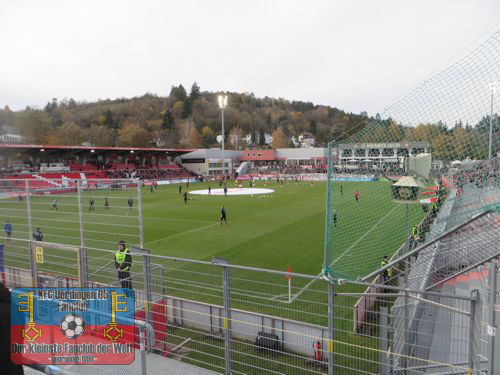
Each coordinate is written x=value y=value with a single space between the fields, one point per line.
x=69 y=134
x=179 y=93
x=207 y=135
x=34 y=125
x=279 y=138
x=99 y=135
x=195 y=92
x=394 y=132
x=187 y=108
x=313 y=127
x=168 y=120
x=108 y=118
x=133 y=135
x=189 y=136
x=178 y=107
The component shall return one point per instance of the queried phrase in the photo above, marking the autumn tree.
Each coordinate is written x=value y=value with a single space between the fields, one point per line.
x=279 y=138
x=69 y=134
x=189 y=136
x=34 y=125
x=99 y=135
x=133 y=135
x=208 y=136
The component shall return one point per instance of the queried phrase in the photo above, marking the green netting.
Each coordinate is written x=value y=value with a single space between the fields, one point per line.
x=453 y=117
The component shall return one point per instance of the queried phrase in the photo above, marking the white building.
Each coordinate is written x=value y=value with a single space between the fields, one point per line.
x=8 y=134
x=209 y=161
x=307 y=140
x=369 y=154
x=11 y=138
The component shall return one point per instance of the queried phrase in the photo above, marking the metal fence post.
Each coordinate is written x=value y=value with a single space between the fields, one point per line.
x=384 y=369
x=80 y=214
x=84 y=269
x=33 y=265
x=143 y=350
x=331 y=327
x=226 y=284
x=472 y=320
x=492 y=323
x=407 y=228
x=28 y=209
x=146 y=261
x=82 y=254
x=139 y=207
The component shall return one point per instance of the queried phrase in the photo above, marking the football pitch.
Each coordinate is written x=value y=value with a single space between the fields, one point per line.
x=276 y=231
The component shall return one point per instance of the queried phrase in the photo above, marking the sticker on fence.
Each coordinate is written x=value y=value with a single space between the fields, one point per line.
x=77 y=326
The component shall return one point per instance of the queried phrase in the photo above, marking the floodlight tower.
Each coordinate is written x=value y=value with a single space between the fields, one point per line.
x=223 y=104
x=490 y=145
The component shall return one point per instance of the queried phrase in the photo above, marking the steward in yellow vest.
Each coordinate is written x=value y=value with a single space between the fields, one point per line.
x=123 y=262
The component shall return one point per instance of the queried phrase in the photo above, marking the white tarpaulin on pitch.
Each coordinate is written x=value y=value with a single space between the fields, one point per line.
x=233 y=191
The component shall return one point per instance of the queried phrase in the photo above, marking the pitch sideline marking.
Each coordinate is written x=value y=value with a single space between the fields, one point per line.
x=345 y=252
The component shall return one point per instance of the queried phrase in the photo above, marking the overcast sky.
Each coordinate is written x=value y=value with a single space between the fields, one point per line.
x=358 y=55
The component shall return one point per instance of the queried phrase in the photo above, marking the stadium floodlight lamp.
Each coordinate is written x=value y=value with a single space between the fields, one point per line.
x=131 y=151
x=42 y=150
x=92 y=150
x=222 y=101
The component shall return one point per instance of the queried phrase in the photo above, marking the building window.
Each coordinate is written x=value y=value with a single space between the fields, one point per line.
x=403 y=152
x=388 y=152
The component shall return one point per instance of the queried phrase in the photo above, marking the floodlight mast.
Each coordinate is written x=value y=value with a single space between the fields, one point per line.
x=223 y=104
x=490 y=144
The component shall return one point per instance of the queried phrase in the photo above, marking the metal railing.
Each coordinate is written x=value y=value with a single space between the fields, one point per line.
x=227 y=318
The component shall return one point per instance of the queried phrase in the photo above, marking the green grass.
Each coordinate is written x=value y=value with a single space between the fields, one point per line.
x=285 y=228
x=275 y=231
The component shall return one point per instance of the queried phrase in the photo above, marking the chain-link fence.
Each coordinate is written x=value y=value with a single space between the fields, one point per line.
x=94 y=213
x=441 y=139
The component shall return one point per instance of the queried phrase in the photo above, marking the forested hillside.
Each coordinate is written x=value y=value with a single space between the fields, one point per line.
x=193 y=120
x=181 y=119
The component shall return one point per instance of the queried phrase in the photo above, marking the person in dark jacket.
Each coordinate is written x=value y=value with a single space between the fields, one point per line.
x=123 y=262
x=8 y=367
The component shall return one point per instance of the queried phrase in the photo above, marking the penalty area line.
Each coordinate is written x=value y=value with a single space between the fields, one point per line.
x=303 y=289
